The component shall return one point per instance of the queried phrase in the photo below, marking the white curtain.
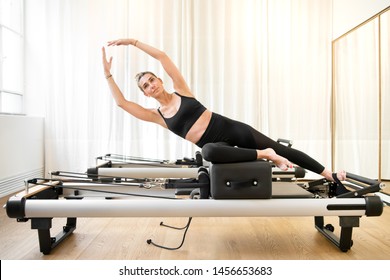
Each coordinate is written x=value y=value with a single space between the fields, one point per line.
x=299 y=75
x=267 y=63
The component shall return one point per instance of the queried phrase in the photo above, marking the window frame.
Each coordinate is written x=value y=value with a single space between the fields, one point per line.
x=11 y=92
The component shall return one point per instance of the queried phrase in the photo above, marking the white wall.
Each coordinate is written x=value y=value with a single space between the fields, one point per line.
x=349 y=13
x=21 y=151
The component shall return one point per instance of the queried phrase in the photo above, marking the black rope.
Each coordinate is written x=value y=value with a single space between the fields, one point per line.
x=186 y=227
x=172 y=227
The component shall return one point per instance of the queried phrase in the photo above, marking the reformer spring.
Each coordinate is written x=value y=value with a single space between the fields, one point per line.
x=130 y=159
x=147 y=185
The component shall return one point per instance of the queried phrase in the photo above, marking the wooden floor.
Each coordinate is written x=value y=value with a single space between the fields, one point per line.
x=276 y=238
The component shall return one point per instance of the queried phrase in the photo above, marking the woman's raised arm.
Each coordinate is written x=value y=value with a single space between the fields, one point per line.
x=179 y=82
x=150 y=115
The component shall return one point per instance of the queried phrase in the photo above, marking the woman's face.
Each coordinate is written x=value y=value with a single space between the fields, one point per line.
x=151 y=85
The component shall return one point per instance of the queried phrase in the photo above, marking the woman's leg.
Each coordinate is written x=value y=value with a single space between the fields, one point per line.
x=241 y=143
x=281 y=155
x=222 y=152
x=284 y=164
x=284 y=153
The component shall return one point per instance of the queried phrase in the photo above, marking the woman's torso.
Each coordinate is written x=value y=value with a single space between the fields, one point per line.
x=186 y=117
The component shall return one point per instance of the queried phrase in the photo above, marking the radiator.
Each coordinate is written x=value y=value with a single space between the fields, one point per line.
x=21 y=151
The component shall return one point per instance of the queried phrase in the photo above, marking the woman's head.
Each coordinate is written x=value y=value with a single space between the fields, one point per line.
x=140 y=75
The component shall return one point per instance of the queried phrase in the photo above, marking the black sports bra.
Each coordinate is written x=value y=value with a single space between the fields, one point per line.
x=189 y=112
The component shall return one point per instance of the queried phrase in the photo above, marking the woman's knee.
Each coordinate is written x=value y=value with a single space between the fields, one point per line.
x=212 y=152
x=208 y=151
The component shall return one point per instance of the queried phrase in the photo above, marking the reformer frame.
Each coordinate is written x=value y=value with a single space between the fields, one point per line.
x=46 y=199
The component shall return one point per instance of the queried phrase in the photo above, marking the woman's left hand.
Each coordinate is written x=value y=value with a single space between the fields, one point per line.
x=120 y=42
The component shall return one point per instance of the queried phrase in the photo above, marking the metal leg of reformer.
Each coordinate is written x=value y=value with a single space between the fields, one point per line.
x=347 y=223
x=46 y=242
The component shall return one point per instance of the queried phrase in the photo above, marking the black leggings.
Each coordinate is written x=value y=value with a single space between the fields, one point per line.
x=227 y=140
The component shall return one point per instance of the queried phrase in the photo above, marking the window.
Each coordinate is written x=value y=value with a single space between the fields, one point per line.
x=11 y=56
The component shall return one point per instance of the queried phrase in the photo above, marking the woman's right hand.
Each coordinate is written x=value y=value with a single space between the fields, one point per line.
x=120 y=42
x=106 y=63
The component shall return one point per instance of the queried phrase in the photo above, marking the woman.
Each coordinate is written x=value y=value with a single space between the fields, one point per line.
x=221 y=139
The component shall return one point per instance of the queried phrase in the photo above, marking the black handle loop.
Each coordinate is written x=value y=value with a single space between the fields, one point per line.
x=242 y=184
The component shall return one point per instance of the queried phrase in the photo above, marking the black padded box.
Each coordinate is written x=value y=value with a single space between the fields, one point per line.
x=244 y=180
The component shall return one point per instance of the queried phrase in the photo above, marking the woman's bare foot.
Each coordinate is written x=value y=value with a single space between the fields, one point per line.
x=341 y=175
x=271 y=155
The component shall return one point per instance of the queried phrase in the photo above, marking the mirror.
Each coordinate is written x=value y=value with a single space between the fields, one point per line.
x=385 y=94
x=360 y=125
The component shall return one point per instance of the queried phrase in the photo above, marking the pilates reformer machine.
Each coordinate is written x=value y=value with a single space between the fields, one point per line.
x=118 y=187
